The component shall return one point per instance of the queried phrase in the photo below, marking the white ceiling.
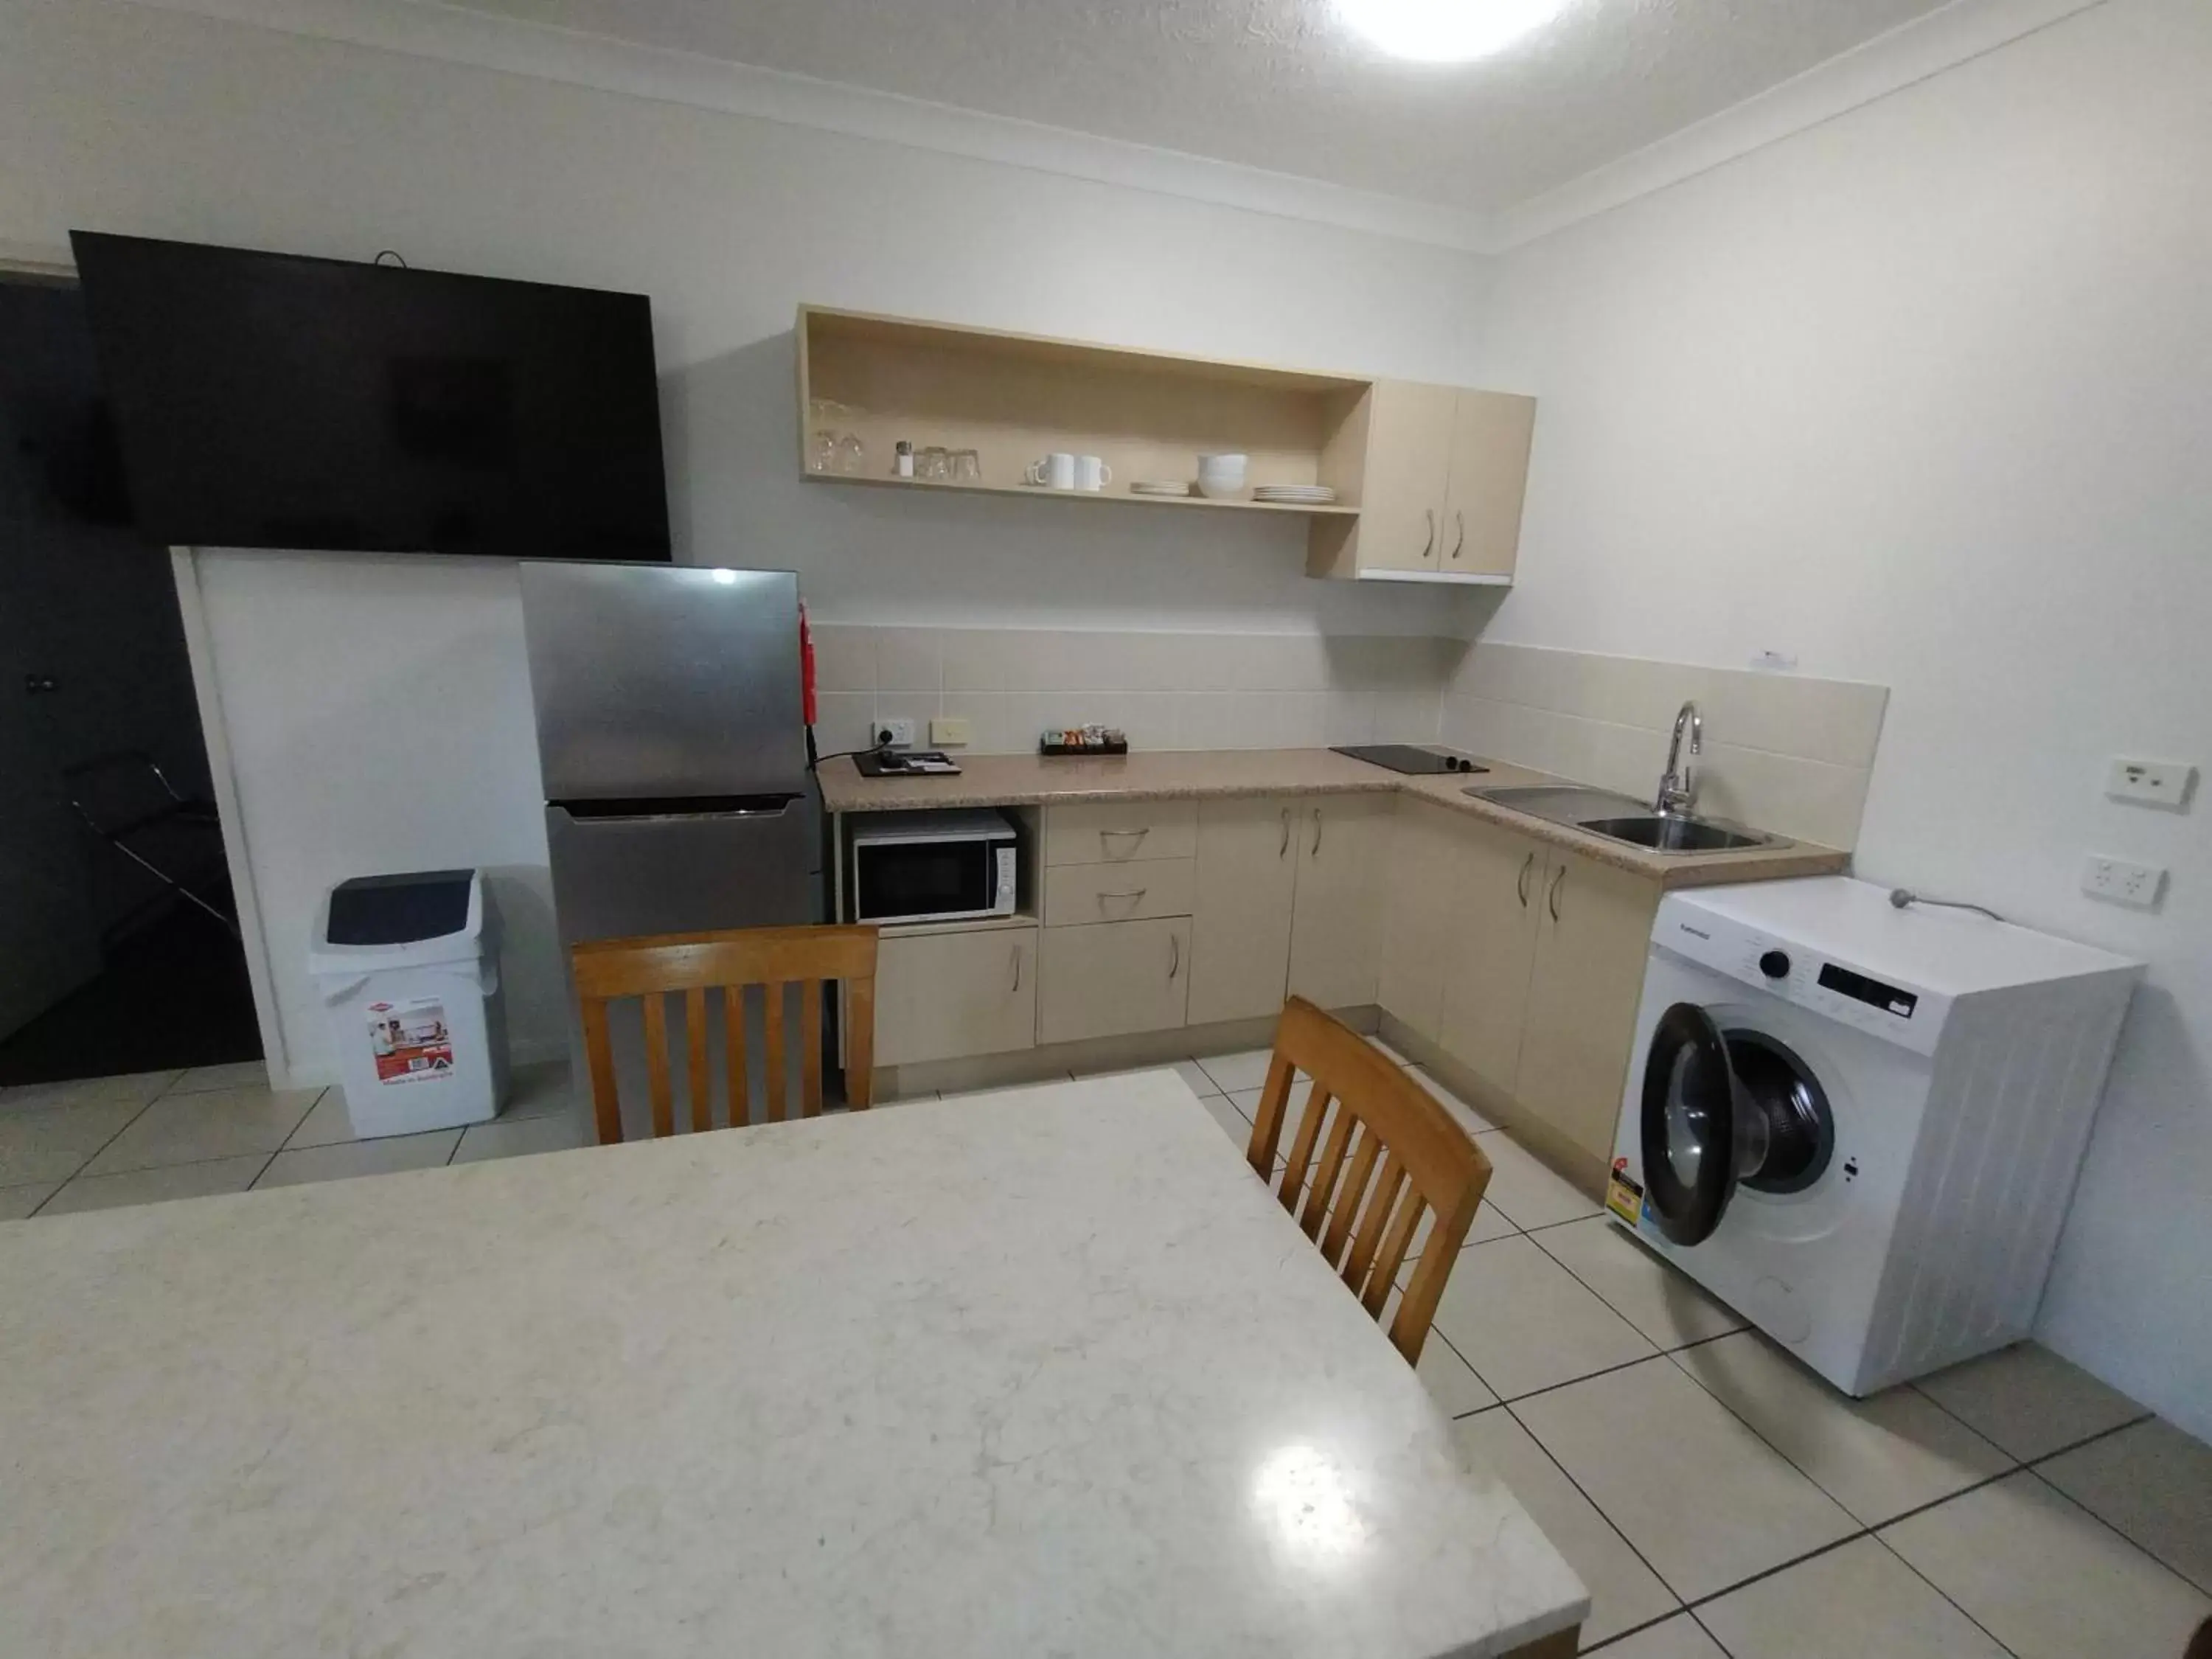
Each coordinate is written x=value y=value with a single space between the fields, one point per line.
x=1281 y=84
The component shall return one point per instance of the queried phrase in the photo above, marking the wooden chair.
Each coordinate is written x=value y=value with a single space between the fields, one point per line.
x=1428 y=1163
x=694 y=965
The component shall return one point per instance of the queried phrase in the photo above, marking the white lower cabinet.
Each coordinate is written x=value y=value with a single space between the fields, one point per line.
x=944 y=996
x=1417 y=935
x=1113 y=978
x=1336 y=930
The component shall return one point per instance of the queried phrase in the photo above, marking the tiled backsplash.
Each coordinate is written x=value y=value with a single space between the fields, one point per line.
x=1783 y=751
x=1166 y=691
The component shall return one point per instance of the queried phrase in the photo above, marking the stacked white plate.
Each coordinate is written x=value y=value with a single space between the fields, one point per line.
x=1296 y=494
x=1158 y=488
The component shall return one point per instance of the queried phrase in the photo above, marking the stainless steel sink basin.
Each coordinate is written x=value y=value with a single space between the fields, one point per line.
x=1620 y=817
x=1674 y=834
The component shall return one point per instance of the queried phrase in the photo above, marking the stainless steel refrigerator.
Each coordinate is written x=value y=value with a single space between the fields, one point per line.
x=671 y=731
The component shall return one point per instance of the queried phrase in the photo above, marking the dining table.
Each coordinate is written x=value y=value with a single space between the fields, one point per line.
x=1042 y=1371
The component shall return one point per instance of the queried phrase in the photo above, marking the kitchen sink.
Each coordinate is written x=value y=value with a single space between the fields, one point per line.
x=1619 y=818
x=1674 y=834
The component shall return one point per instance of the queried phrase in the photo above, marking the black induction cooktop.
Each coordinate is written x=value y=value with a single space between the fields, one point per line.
x=1406 y=758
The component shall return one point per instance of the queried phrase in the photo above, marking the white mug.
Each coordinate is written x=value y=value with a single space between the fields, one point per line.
x=1092 y=473
x=1056 y=471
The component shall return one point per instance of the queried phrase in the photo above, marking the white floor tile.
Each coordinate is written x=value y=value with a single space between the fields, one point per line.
x=1224 y=1111
x=55 y=1142
x=1195 y=1074
x=326 y=1124
x=1849 y=1603
x=1464 y=1114
x=299 y=1164
x=1527 y=1190
x=1488 y=1223
x=1232 y=1073
x=541 y=1089
x=1879 y=1458
x=17 y=1202
x=1624 y=1591
x=194 y=1128
x=1396 y=1055
x=241 y=1074
x=2029 y=1401
x=1679 y=1637
x=2046 y=1577
x=1450 y=1383
x=2155 y=1484
x=1524 y=1322
x=1658 y=1299
x=1706 y=1501
x=132 y=1088
x=516 y=1138
x=222 y=1175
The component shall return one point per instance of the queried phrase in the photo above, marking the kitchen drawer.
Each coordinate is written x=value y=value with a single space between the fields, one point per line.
x=1119 y=832
x=1134 y=891
x=1113 y=978
x=946 y=996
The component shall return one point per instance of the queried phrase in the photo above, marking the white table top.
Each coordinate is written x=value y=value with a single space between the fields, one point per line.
x=1042 y=1373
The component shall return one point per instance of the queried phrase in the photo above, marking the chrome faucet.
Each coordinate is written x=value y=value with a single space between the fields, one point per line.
x=1678 y=785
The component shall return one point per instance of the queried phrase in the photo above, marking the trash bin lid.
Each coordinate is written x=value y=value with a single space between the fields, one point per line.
x=401 y=909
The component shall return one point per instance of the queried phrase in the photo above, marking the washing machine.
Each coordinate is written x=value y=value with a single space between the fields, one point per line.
x=1858 y=1125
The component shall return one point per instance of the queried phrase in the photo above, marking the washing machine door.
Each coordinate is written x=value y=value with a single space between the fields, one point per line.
x=1723 y=1109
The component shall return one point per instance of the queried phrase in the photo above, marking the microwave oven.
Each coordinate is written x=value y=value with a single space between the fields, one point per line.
x=931 y=866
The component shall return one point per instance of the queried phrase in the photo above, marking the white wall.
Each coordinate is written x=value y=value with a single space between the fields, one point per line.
x=379 y=708
x=1923 y=396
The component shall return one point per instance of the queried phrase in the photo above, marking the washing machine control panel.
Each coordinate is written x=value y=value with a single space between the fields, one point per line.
x=1907 y=1015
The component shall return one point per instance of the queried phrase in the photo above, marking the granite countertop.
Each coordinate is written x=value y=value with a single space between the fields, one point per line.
x=1198 y=775
x=1045 y=1373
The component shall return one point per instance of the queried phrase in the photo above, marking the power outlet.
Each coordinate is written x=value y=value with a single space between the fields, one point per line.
x=897 y=733
x=2119 y=882
x=2153 y=783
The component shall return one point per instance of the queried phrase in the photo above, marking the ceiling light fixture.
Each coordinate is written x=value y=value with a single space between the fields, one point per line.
x=1445 y=31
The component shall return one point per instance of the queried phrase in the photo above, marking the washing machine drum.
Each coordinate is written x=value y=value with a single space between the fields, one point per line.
x=1723 y=1109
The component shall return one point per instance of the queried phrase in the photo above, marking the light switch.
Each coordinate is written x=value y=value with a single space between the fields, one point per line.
x=2117 y=880
x=2152 y=782
x=949 y=732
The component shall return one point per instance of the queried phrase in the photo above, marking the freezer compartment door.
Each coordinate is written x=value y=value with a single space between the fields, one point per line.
x=651 y=870
x=663 y=681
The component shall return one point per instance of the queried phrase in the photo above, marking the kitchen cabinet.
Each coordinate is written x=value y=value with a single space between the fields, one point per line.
x=1135 y=890
x=1343 y=846
x=1497 y=891
x=1113 y=978
x=1442 y=471
x=1119 y=832
x=945 y=995
x=1417 y=922
x=1249 y=852
x=1592 y=935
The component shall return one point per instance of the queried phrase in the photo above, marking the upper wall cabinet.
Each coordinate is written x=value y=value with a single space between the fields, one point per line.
x=1417 y=464
x=1443 y=471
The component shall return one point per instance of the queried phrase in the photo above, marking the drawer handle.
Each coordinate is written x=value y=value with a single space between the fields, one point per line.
x=1105 y=836
x=1520 y=886
x=1557 y=882
x=1175 y=954
x=1284 y=850
x=1136 y=896
x=1017 y=985
x=1317 y=847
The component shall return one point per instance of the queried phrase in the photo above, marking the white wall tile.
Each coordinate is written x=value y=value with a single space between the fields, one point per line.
x=844 y=657
x=908 y=660
x=974 y=658
x=842 y=721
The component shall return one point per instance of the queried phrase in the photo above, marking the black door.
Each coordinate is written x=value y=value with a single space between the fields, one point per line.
x=1725 y=1108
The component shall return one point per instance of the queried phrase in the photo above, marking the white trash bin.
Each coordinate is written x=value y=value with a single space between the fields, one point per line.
x=408 y=966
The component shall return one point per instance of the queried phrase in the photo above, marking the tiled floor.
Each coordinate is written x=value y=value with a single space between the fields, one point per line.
x=155 y=1135
x=1717 y=1498
x=1722 y=1503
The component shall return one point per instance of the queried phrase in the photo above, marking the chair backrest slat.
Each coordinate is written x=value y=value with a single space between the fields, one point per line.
x=777 y=959
x=1364 y=1221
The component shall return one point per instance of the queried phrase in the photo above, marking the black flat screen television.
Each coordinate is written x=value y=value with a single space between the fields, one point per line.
x=267 y=400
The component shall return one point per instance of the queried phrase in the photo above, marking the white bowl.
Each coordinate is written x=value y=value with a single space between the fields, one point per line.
x=1220 y=476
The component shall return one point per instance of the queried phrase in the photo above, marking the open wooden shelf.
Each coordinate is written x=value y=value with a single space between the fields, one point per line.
x=1032 y=492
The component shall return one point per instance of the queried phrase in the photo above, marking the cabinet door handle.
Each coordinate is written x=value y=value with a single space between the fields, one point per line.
x=1017 y=985
x=1175 y=954
x=1551 y=902
x=1284 y=850
x=1527 y=865
x=1430 y=546
x=1105 y=836
x=1316 y=846
x=1459 y=518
